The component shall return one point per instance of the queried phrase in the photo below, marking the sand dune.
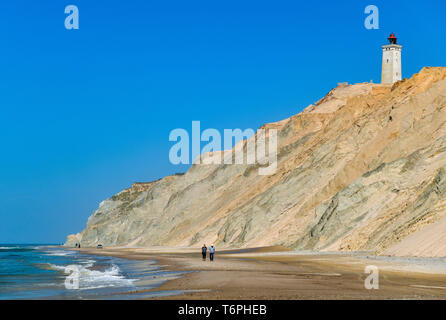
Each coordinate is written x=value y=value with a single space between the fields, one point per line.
x=363 y=169
x=428 y=242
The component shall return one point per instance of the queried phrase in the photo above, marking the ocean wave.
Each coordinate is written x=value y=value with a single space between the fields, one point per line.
x=95 y=279
x=16 y=249
x=59 y=253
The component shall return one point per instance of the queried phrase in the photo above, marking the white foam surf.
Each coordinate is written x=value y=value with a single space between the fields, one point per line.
x=59 y=253
x=95 y=279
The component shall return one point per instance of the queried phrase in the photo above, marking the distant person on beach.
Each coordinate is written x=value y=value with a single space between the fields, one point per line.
x=203 y=251
x=211 y=252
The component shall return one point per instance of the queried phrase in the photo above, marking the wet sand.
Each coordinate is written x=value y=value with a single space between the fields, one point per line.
x=277 y=273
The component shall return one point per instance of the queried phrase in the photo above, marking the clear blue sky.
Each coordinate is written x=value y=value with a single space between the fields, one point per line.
x=85 y=113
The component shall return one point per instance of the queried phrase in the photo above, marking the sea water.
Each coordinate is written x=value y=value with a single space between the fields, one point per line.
x=40 y=272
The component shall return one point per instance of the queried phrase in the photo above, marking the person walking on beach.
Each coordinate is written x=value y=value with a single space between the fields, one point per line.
x=211 y=252
x=203 y=251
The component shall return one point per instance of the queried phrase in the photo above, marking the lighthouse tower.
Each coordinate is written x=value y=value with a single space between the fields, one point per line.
x=391 y=70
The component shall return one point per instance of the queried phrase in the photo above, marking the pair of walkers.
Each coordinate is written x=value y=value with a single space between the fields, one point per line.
x=204 y=249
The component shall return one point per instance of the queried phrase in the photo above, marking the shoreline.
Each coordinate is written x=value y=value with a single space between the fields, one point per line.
x=278 y=273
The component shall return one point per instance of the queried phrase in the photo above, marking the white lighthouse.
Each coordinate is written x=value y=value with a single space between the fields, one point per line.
x=391 y=70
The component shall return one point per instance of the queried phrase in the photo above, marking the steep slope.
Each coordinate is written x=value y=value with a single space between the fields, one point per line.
x=362 y=169
x=428 y=242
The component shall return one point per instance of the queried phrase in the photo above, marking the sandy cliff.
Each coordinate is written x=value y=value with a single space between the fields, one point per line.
x=362 y=169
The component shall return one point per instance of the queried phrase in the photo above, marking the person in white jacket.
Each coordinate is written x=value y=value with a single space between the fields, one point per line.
x=211 y=252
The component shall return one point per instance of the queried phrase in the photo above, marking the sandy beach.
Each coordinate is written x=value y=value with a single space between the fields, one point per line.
x=278 y=273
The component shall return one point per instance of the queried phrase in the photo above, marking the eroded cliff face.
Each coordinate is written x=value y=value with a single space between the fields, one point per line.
x=362 y=169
